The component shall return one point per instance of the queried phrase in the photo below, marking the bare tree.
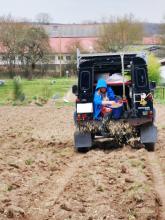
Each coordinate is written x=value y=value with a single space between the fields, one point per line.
x=162 y=32
x=23 y=44
x=118 y=33
x=34 y=48
x=161 y=38
x=10 y=35
x=43 y=18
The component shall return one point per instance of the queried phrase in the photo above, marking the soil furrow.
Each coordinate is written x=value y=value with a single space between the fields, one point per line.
x=158 y=181
x=74 y=168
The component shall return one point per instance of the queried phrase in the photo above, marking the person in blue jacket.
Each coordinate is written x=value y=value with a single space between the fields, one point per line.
x=104 y=95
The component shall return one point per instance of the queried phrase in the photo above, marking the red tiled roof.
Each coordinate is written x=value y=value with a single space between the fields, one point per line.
x=62 y=44
x=2 y=48
x=151 y=40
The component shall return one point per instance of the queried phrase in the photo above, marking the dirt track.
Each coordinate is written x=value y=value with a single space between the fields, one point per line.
x=43 y=178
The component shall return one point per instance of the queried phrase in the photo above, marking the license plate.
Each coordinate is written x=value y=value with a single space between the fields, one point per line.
x=85 y=108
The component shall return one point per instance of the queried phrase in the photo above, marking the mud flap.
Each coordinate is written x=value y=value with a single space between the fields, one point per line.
x=148 y=134
x=82 y=140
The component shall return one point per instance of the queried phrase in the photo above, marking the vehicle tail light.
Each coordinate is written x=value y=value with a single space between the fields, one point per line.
x=83 y=116
x=150 y=114
x=149 y=97
x=78 y=117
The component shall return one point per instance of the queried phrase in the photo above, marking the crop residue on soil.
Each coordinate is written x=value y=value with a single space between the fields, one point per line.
x=121 y=132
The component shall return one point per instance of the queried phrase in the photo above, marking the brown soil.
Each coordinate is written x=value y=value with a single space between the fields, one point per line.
x=42 y=177
x=157 y=159
x=158 y=181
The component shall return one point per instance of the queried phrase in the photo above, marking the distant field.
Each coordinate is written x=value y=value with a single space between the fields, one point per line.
x=50 y=87
x=32 y=89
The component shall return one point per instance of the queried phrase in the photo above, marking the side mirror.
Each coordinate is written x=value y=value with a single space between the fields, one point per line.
x=152 y=85
x=75 y=89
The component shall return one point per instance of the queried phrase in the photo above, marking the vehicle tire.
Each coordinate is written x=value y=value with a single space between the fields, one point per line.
x=82 y=150
x=150 y=147
x=75 y=119
x=154 y=114
x=93 y=136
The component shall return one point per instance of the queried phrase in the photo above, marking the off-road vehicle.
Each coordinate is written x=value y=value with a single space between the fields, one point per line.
x=134 y=89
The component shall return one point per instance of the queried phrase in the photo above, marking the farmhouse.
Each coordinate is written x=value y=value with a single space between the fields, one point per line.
x=65 y=37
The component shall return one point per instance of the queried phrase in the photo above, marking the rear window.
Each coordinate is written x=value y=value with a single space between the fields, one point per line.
x=85 y=80
x=141 y=78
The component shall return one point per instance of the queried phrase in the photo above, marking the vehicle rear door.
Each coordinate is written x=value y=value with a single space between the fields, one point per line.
x=140 y=87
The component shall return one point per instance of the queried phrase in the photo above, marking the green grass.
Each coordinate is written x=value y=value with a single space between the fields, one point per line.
x=159 y=95
x=37 y=88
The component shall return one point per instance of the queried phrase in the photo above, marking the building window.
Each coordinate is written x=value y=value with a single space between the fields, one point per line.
x=60 y=57
x=68 y=58
x=52 y=59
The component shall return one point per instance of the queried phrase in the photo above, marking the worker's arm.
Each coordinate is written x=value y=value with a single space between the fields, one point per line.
x=99 y=102
x=108 y=102
x=97 y=99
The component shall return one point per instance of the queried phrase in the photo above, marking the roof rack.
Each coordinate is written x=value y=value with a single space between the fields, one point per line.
x=104 y=54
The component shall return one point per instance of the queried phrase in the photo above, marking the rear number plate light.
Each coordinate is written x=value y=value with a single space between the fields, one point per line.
x=145 y=113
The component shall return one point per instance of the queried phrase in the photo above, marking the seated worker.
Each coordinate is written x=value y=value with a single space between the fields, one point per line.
x=103 y=96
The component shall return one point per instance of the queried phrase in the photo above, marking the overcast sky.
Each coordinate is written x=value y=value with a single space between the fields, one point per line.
x=73 y=11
